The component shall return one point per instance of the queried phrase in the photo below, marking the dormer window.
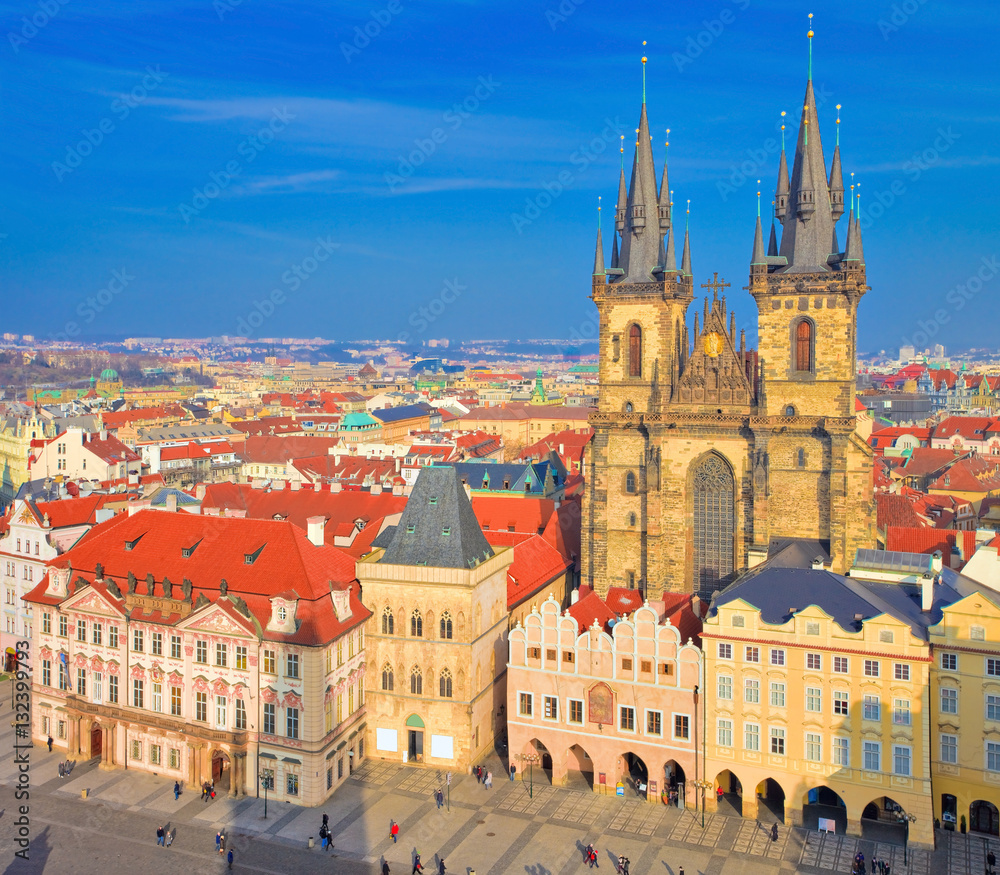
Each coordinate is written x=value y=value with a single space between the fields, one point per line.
x=433 y=501
x=281 y=613
x=250 y=558
x=410 y=529
x=130 y=545
x=446 y=531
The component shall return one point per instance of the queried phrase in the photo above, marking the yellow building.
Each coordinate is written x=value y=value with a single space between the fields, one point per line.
x=965 y=714
x=16 y=435
x=815 y=702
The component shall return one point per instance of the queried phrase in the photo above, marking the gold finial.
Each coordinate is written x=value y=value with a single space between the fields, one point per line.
x=782 y=130
x=668 y=137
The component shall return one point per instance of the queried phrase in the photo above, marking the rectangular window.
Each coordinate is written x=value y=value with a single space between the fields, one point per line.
x=682 y=727
x=63 y=626
x=626 y=719
x=267 y=778
x=901 y=712
x=174 y=758
x=654 y=723
x=901 y=671
x=840 y=664
x=156 y=644
x=752 y=654
x=872 y=708
x=569 y=657
x=725 y=684
x=268 y=718
x=751 y=691
x=949 y=701
x=112 y=689
x=221 y=715
x=63 y=676
x=81 y=631
x=113 y=637
x=154 y=754
x=46 y=673
x=292 y=722
x=201 y=652
x=241 y=714
x=175 y=701
x=292 y=784
x=842 y=752
x=777 y=656
x=268 y=667
x=137 y=693
x=993 y=667
x=292 y=665
x=949 y=661
x=751 y=736
x=175 y=646
x=993 y=707
x=814 y=699
x=872 y=756
x=576 y=711
x=221 y=654
x=777 y=695
x=98 y=634
x=949 y=748
x=725 y=650
x=138 y=643
x=901 y=755
x=136 y=749
x=992 y=756
x=47 y=623
x=777 y=741
x=525 y=704
x=81 y=682
x=812 y=628
x=328 y=715
x=157 y=697
x=814 y=747
x=814 y=661
x=725 y=733
x=201 y=707
x=626 y=661
x=241 y=657
x=550 y=707
x=871 y=668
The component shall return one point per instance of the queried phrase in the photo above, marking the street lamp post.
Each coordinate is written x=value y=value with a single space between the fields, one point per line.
x=265 y=782
x=906 y=820
x=530 y=759
x=703 y=785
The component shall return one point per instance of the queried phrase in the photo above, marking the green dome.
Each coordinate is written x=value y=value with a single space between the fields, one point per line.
x=109 y=375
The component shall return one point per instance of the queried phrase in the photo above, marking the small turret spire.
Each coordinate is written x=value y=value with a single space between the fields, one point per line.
x=614 y=251
x=670 y=258
x=772 y=243
x=686 y=256
x=599 y=253
x=662 y=196
x=758 y=256
x=781 y=192
x=836 y=180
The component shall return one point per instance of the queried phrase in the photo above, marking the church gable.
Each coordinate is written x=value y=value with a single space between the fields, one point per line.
x=213 y=620
x=714 y=373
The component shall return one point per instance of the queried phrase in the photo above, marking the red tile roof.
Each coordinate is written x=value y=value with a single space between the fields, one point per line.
x=274 y=449
x=971 y=428
x=499 y=513
x=591 y=607
x=924 y=540
x=892 y=509
x=536 y=564
x=977 y=474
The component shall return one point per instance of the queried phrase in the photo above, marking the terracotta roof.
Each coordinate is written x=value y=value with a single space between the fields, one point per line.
x=622 y=600
x=924 y=540
x=895 y=510
x=536 y=564
x=591 y=607
x=274 y=449
x=499 y=513
x=970 y=475
x=925 y=460
x=971 y=428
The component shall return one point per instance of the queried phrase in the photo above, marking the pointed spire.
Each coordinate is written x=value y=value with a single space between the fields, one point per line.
x=781 y=191
x=670 y=257
x=772 y=243
x=614 y=251
x=836 y=178
x=758 y=256
x=686 y=257
x=599 y=254
x=664 y=193
x=640 y=251
x=854 y=251
x=697 y=332
x=622 y=203
x=834 y=245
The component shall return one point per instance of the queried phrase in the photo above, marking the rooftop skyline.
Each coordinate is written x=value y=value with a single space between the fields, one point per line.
x=174 y=169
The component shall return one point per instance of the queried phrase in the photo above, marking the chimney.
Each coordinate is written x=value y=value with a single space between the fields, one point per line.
x=937 y=562
x=103 y=434
x=316 y=525
x=236 y=513
x=172 y=502
x=817 y=563
x=927 y=592
x=200 y=490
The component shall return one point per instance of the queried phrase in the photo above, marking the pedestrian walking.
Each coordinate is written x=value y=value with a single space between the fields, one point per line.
x=159 y=835
x=170 y=837
x=437 y=798
x=229 y=858
x=489 y=780
x=621 y=863
x=416 y=864
x=222 y=844
x=627 y=862
x=322 y=837
x=385 y=867
x=62 y=770
x=774 y=832
x=441 y=866
x=680 y=870
x=177 y=790
x=48 y=741
x=513 y=769
x=887 y=867
x=218 y=842
x=393 y=830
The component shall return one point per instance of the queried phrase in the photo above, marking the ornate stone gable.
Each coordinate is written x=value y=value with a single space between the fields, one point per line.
x=713 y=374
x=216 y=622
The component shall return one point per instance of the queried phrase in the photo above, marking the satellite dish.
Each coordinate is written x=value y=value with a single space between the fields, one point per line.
x=86 y=488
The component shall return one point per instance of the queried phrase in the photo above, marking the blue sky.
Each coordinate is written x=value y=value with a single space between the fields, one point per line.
x=169 y=165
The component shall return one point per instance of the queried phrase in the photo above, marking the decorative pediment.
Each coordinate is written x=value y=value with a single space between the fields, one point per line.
x=713 y=372
x=91 y=600
x=216 y=621
x=27 y=517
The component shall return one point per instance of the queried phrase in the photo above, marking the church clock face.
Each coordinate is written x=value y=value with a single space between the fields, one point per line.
x=713 y=344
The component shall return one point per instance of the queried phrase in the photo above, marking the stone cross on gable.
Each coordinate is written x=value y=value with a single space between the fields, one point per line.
x=715 y=284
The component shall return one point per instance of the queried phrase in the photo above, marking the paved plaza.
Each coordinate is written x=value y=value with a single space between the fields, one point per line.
x=512 y=828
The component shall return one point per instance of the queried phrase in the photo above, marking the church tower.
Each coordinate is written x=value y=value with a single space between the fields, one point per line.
x=707 y=455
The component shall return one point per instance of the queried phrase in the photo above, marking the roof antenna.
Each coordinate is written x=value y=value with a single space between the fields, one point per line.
x=810 y=35
x=644 y=76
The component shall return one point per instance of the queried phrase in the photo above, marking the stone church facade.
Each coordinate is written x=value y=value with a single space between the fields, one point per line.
x=707 y=455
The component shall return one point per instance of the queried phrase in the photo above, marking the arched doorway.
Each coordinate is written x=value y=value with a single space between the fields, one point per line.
x=714 y=507
x=729 y=794
x=220 y=771
x=770 y=801
x=881 y=821
x=674 y=782
x=824 y=805
x=579 y=769
x=634 y=773
x=414 y=739
x=96 y=740
x=536 y=762
x=984 y=817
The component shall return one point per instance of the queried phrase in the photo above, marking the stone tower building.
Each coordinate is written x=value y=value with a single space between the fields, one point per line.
x=706 y=455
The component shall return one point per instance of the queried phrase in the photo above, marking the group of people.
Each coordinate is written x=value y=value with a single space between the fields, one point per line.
x=878 y=865
x=623 y=864
x=208 y=791
x=164 y=837
x=220 y=844
x=484 y=776
x=324 y=833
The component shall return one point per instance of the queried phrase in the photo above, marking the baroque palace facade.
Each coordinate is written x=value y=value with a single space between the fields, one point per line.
x=705 y=453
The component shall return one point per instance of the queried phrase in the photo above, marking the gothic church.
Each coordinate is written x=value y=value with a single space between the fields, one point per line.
x=707 y=455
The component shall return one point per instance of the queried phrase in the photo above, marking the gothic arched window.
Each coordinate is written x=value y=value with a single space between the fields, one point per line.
x=804 y=346
x=630 y=483
x=444 y=684
x=714 y=491
x=416 y=625
x=801 y=458
x=631 y=519
x=635 y=351
x=416 y=682
x=388 y=624
x=446 y=626
x=387 y=680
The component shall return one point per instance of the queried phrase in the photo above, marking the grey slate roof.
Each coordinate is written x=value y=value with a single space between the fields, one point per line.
x=407 y=411
x=438 y=527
